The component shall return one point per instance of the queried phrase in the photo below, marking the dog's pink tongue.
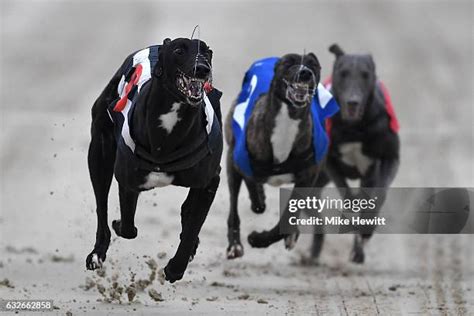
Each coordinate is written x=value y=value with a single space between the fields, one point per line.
x=208 y=87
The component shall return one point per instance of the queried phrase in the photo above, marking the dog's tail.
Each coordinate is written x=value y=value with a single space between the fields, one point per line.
x=336 y=50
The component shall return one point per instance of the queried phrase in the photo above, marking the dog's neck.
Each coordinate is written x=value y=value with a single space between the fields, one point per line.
x=166 y=124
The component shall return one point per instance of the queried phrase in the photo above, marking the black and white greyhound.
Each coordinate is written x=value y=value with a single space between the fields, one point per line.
x=364 y=144
x=157 y=123
x=279 y=140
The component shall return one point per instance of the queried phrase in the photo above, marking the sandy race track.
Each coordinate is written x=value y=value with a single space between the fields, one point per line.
x=56 y=56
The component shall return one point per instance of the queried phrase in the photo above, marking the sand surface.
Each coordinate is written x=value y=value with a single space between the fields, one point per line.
x=56 y=57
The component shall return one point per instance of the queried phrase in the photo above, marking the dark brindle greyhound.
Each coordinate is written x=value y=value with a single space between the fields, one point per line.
x=364 y=141
x=279 y=140
x=157 y=123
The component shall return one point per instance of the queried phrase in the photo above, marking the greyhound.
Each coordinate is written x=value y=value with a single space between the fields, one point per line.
x=364 y=143
x=272 y=142
x=157 y=123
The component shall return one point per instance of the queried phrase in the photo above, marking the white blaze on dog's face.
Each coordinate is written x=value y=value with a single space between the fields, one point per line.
x=186 y=64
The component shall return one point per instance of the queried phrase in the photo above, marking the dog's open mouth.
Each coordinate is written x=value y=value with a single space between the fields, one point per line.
x=192 y=88
x=300 y=94
x=351 y=113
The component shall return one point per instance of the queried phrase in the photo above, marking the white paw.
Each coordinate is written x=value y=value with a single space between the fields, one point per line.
x=96 y=262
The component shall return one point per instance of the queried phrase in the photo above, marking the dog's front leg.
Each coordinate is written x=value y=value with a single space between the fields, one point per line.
x=318 y=238
x=234 y=180
x=125 y=227
x=380 y=175
x=266 y=238
x=101 y=159
x=194 y=210
x=257 y=196
x=338 y=179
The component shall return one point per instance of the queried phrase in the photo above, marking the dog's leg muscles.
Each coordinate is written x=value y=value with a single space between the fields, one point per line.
x=234 y=180
x=101 y=159
x=125 y=227
x=200 y=200
x=257 y=196
x=380 y=175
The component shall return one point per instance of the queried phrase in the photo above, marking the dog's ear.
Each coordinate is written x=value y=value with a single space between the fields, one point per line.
x=336 y=50
x=315 y=65
x=315 y=59
x=158 y=72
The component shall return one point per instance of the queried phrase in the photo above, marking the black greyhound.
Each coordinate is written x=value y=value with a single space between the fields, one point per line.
x=364 y=141
x=157 y=123
x=279 y=142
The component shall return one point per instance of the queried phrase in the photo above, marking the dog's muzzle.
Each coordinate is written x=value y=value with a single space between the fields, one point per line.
x=192 y=88
x=352 y=111
x=300 y=94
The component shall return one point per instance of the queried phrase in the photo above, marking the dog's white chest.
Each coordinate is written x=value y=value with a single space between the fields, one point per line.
x=280 y=179
x=351 y=154
x=157 y=179
x=283 y=134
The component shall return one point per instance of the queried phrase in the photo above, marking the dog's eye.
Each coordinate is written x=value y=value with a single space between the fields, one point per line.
x=365 y=75
x=179 y=51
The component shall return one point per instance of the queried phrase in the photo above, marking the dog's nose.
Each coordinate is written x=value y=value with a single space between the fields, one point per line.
x=305 y=75
x=202 y=71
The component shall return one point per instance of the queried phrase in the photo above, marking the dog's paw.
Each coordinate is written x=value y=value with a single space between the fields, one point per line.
x=235 y=251
x=94 y=261
x=259 y=240
x=129 y=233
x=258 y=208
x=290 y=240
x=169 y=275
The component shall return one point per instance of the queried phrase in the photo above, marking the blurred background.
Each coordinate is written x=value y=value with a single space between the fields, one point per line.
x=57 y=56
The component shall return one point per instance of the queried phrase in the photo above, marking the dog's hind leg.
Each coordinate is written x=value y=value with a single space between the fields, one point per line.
x=101 y=158
x=125 y=227
x=195 y=209
x=234 y=180
x=257 y=196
